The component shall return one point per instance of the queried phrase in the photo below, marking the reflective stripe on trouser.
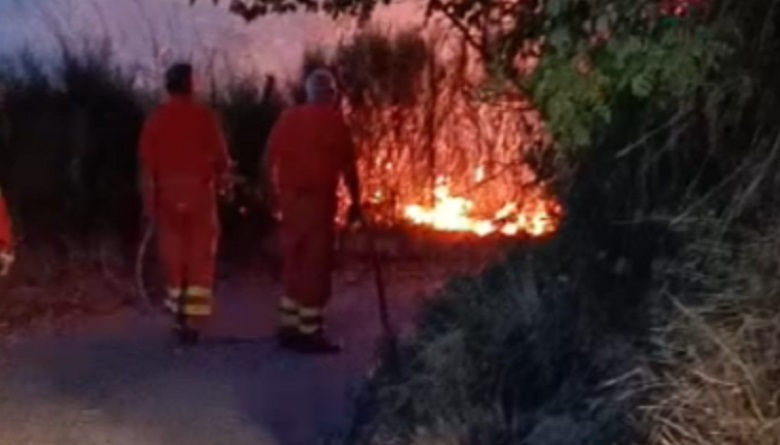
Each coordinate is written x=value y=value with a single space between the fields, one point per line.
x=288 y=313
x=305 y=320
x=310 y=321
x=197 y=301
x=187 y=234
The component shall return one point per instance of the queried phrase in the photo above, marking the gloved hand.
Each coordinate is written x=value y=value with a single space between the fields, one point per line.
x=6 y=261
x=267 y=195
x=355 y=214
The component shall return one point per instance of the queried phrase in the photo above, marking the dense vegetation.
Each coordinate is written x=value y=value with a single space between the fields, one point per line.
x=68 y=152
x=647 y=319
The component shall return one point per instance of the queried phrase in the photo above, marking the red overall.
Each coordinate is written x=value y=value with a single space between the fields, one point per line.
x=184 y=158
x=6 y=236
x=310 y=147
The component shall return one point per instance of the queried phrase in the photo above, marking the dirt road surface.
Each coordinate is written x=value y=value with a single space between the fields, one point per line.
x=117 y=380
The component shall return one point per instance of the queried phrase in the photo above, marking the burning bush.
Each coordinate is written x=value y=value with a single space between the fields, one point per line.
x=431 y=152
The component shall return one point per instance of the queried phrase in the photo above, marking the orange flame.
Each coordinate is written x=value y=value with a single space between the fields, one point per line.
x=451 y=161
x=454 y=214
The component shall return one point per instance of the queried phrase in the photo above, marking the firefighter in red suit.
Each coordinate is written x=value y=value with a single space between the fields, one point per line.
x=309 y=151
x=6 y=239
x=185 y=164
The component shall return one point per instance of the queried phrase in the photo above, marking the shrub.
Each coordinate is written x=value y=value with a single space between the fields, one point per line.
x=68 y=156
x=411 y=100
x=715 y=376
x=495 y=361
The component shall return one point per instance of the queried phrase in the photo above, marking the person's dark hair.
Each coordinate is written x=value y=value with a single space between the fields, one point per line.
x=178 y=79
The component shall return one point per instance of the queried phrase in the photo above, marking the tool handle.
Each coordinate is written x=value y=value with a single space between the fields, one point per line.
x=384 y=313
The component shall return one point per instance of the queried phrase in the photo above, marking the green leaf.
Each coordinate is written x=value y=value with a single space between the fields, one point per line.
x=555 y=7
x=560 y=38
x=641 y=85
x=580 y=135
x=602 y=23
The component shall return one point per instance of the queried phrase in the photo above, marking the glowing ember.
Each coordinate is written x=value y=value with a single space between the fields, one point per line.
x=453 y=214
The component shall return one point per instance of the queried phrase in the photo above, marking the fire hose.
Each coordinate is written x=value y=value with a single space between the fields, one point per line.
x=143 y=246
x=146 y=238
x=388 y=344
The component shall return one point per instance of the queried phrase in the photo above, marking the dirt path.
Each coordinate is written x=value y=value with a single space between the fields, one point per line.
x=117 y=381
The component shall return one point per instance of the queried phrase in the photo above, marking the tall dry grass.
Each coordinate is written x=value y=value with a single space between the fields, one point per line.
x=69 y=131
x=413 y=102
x=717 y=372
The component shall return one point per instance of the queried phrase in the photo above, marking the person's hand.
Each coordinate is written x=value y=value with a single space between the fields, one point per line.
x=266 y=195
x=355 y=214
x=6 y=261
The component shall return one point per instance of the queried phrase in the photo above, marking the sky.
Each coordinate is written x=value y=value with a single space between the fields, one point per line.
x=148 y=33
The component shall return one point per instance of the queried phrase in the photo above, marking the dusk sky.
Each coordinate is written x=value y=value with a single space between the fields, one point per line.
x=203 y=32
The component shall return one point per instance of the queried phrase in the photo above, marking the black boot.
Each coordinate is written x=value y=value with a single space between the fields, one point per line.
x=287 y=337
x=187 y=336
x=317 y=343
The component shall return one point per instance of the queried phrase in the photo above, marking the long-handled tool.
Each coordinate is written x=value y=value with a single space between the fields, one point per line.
x=389 y=341
x=388 y=349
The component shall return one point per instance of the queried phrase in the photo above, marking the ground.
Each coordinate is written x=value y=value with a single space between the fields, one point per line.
x=116 y=378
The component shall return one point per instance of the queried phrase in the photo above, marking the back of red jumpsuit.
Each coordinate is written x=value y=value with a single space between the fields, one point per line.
x=310 y=148
x=184 y=155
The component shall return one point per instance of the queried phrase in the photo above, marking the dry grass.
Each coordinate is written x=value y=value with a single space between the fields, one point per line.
x=719 y=368
x=415 y=108
x=55 y=290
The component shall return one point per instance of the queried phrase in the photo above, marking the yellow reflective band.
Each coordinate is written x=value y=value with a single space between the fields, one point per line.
x=310 y=312
x=198 y=291
x=190 y=309
x=174 y=292
x=288 y=304
x=309 y=328
x=197 y=310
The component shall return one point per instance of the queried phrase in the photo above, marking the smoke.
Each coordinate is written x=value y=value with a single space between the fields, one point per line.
x=148 y=34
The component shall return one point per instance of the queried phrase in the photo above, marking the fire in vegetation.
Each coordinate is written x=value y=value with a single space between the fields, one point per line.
x=451 y=213
x=468 y=191
x=433 y=155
